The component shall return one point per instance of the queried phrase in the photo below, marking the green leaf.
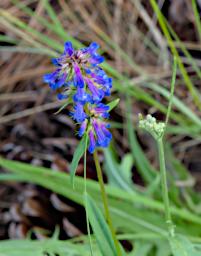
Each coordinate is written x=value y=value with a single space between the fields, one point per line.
x=142 y=248
x=53 y=15
x=126 y=167
x=100 y=228
x=114 y=173
x=113 y=104
x=138 y=213
x=76 y=157
x=181 y=246
x=62 y=107
x=162 y=248
x=44 y=247
x=172 y=88
x=197 y=17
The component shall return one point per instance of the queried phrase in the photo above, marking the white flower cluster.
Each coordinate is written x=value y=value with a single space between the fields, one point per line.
x=150 y=124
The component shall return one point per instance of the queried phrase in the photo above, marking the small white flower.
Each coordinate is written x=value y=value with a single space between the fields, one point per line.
x=150 y=124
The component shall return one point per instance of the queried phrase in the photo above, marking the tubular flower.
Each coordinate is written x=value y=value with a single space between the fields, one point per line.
x=79 y=77
x=78 y=114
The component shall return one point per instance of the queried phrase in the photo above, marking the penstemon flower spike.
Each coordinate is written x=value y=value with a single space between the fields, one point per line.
x=79 y=78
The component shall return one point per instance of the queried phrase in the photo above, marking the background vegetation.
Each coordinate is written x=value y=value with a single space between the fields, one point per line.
x=139 y=40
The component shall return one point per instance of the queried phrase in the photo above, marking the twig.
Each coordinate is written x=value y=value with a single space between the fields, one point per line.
x=30 y=111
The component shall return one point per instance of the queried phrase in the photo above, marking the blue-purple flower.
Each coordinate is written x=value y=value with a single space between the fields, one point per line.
x=99 y=135
x=97 y=126
x=92 y=142
x=81 y=96
x=83 y=128
x=79 y=78
x=101 y=110
x=56 y=79
x=102 y=134
x=78 y=114
x=97 y=94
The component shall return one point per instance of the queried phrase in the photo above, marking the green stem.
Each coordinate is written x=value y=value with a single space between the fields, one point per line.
x=85 y=195
x=172 y=86
x=105 y=202
x=165 y=187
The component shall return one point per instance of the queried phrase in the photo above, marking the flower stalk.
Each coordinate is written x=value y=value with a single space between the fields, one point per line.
x=164 y=186
x=157 y=130
x=105 y=202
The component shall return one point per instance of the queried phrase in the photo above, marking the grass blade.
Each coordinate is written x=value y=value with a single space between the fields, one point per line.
x=194 y=92
x=197 y=18
x=100 y=228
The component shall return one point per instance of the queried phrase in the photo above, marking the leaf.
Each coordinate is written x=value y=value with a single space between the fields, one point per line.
x=172 y=88
x=162 y=248
x=126 y=167
x=114 y=173
x=181 y=246
x=53 y=15
x=142 y=248
x=62 y=107
x=113 y=104
x=197 y=17
x=100 y=228
x=44 y=247
x=76 y=157
x=137 y=209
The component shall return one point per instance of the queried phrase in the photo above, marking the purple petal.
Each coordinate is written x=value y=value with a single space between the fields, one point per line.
x=102 y=139
x=68 y=48
x=78 y=79
x=102 y=109
x=93 y=46
x=78 y=114
x=61 y=96
x=56 y=62
x=60 y=80
x=97 y=94
x=106 y=132
x=96 y=59
x=83 y=128
x=49 y=78
x=92 y=142
x=81 y=96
